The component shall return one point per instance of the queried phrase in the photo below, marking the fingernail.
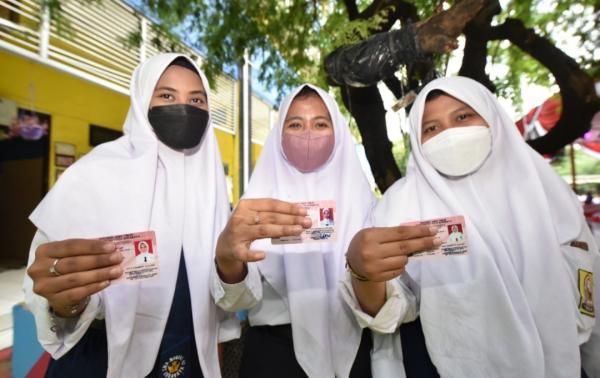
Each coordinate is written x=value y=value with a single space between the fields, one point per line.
x=307 y=222
x=437 y=241
x=110 y=246
x=115 y=272
x=297 y=229
x=116 y=257
x=302 y=210
x=433 y=230
x=104 y=284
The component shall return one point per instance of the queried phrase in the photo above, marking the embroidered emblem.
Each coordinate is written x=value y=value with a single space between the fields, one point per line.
x=580 y=244
x=174 y=367
x=586 y=292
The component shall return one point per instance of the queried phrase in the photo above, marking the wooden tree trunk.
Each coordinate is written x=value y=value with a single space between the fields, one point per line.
x=366 y=106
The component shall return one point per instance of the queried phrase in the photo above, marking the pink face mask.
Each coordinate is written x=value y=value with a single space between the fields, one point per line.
x=307 y=151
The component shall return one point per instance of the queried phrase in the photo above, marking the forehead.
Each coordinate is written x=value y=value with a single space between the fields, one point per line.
x=180 y=78
x=313 y=103
x=442 y=104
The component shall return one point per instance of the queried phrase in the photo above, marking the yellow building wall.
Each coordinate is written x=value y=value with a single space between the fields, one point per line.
x=236 y=150
x=74 y=104
x=256 y=149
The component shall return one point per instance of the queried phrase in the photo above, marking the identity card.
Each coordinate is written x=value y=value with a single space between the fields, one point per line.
x=322 y=214
x=452 y=233
x=140 y=255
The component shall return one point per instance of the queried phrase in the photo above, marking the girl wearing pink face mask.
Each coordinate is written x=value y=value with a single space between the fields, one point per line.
x=308 y=138
x=298 y=324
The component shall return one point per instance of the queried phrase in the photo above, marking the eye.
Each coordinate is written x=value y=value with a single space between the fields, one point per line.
x=322 y=125
x=166 y=96
x=198 y=101
x=294 y=125
x=430 y=129
x=464 y=116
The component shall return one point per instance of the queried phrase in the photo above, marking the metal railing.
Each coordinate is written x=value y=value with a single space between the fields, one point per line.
x=90 y=41
x=262 y=114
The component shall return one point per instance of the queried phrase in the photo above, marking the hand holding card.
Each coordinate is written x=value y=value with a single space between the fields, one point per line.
x=451 y=231
x=381 y=253
x=68 y=272
x=251 y=220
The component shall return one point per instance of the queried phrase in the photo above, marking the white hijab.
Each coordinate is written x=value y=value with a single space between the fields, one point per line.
x=326 y=336
x=136 y=184
x=504 y=309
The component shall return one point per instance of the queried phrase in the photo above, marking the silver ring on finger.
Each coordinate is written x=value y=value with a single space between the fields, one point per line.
x=53 y=269
x=256 y=219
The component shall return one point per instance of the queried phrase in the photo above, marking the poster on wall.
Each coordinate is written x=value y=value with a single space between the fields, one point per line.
x=25 y=136
x=64 y=156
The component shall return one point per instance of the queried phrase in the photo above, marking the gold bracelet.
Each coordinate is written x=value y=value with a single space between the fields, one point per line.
x=353 y=273
x=71 y=309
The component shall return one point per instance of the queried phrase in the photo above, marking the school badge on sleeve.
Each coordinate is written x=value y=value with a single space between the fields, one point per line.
x=586 y=293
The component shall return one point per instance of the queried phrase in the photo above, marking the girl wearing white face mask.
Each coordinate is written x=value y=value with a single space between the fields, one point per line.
x=298 y=325
x=512 y=305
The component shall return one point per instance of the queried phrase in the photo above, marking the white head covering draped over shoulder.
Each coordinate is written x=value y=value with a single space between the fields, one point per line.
x=136 y=184
x=326 y=336
x=503 y=310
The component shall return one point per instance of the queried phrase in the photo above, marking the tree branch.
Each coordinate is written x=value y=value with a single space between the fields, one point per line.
x=577 y=89
x=366 y=106
x=352 y=9
x=475 y=51
x=402 y=10
x=395 y=86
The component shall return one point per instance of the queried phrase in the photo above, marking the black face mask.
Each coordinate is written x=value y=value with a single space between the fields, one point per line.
x=178 y=126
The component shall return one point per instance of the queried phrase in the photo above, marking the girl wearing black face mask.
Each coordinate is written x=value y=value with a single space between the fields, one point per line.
x=179 y=107
x=164 y=175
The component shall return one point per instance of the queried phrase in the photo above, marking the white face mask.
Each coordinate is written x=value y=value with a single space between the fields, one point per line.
x=459 y=151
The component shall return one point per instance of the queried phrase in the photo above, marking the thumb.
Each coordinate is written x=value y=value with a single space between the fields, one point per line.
x=254 y=256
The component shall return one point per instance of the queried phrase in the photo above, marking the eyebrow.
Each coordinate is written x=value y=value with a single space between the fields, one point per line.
x=165 y=89
x=463 y=108
x=298 y=118
x=458 y=110
x=198 y=91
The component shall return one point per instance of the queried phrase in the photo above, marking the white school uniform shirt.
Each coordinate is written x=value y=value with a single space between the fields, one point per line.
x=511 y=306
x=298 y=284
x=187 y=207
